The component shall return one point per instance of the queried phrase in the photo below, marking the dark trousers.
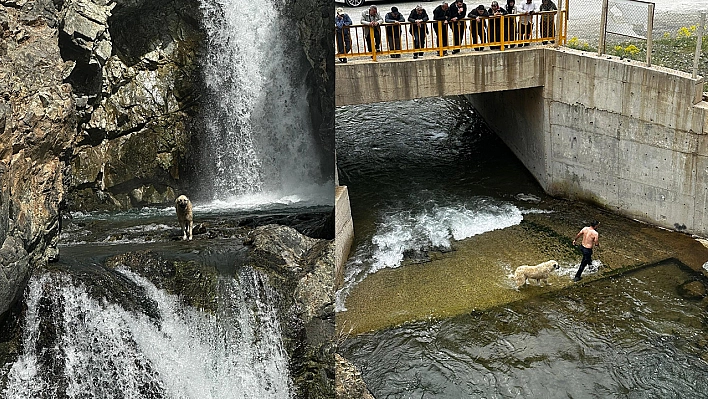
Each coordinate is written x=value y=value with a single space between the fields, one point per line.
x=377 y=38
x=443 y=32
x=587 y=259
x=418 y=37
x=510 y=31
x=344 y=41
x=393 y=38
x=547 y=29
x=458 y=31
x=477 y=31
x=495 y=31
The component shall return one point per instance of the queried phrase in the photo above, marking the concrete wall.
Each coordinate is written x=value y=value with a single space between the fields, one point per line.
x=344 y=232
x=630 y=138
x=433 y=76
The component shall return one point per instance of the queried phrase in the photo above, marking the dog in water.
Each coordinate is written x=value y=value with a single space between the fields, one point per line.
x=539 y=272
x=183 y=206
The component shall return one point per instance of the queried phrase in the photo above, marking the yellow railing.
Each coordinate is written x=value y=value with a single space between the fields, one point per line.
x=500 y=32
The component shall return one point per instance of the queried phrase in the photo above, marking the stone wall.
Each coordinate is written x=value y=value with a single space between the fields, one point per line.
x=344 y=232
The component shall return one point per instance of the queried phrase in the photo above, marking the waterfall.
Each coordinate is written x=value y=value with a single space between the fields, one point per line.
x=76 y=346
x=259 y=138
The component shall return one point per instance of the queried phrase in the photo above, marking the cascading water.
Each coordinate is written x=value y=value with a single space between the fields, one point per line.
x=76 y=346
x=259 y=135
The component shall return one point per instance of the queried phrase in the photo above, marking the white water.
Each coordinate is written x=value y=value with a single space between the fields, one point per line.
x=260 y=141
x=422 y=230
x=105 y=351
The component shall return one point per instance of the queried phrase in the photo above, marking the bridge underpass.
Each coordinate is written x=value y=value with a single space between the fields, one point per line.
x=612 y=132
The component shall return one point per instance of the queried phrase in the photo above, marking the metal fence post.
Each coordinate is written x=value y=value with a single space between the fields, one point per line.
x=603 y=28
x=650 y=29
x=699 y=44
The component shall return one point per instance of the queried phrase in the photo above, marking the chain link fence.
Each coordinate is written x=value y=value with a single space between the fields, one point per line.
x=674 y=32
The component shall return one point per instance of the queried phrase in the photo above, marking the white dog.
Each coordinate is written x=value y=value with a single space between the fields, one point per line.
x=539 y=272
x=183 y=206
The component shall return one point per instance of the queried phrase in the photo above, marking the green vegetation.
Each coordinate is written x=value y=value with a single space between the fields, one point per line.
x=675 y=51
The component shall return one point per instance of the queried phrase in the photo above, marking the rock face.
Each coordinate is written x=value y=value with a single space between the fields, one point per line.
x=135 y=80
x=37 y=127
x=303 y=269
x=299 y=268
x=350 y=385
x=98 y=100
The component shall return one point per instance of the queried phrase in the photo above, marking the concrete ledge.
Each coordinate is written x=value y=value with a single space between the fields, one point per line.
x=433 y=76
x=344 y=230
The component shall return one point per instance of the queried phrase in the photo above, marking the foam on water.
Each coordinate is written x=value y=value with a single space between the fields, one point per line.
x=436 y=228
x=304 y=196
x=428 y=229
x=102 y=350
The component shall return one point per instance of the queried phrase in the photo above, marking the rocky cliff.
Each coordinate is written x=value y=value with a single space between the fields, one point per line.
x=98 y=102
x=37 y=128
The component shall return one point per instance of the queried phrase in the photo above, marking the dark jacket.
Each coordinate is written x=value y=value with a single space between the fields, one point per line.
x=453 y=12
x=415 y=16
x=441 y=15
x=390 y=18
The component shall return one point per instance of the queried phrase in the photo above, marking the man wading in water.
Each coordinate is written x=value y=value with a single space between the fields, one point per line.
x=590 y=240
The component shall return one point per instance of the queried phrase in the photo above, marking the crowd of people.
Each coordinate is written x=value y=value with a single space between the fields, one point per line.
x=483 y=28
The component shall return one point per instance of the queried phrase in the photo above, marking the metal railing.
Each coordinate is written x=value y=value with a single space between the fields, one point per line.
x=499 y=32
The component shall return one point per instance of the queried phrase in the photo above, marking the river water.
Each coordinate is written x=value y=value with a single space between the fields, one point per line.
x=88 y=330
x=443 y=213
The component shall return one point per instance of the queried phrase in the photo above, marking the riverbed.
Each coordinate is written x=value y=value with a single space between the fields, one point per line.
x=443 y=213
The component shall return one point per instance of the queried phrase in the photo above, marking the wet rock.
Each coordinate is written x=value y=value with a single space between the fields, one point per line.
x=313 y=19
x=194 y=282
x=303 y=268
x=350 y=385
x=692 y=290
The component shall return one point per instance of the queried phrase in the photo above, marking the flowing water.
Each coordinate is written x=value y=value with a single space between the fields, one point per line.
x=88 y=331
x=259 y=142
x=443 y=213
x=79 y=346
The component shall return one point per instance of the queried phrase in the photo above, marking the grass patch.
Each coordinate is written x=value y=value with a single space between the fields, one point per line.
x=671 y=50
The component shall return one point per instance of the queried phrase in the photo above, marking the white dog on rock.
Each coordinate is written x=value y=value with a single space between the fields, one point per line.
x=539 y=272
x=183 y=206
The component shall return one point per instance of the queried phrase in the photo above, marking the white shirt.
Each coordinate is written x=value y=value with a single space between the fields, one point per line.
x=525 y=9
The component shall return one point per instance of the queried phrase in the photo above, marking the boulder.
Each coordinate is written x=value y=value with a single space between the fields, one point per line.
x=303 y=269
x=350 y=385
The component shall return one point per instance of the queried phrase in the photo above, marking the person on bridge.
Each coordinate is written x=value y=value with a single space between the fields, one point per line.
x=510 y=22
x=371 y=19
x=526 y=23
x=393 y=30
x=419 y=28
x=496 y=14
x=590 y=240
x=547 y=21
x=440 y=13
x=478 y=25
x=456 y=16
x=342 y=22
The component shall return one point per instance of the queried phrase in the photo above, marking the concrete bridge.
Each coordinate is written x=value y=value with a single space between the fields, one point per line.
x=612 y=132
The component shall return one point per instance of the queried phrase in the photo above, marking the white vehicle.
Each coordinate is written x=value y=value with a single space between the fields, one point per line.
x=351 y=3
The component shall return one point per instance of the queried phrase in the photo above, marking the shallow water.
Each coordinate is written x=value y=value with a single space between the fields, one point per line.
x=628 y=337
x=443 y=213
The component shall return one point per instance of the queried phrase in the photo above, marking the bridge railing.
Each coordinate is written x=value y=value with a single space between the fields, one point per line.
x=498 y=32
